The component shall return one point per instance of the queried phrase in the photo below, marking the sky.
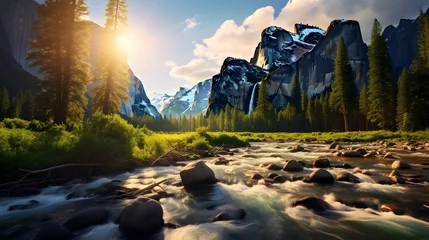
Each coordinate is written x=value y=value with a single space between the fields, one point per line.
x=174 y=43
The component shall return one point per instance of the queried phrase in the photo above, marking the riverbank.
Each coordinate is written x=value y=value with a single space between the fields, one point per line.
x=270 y=190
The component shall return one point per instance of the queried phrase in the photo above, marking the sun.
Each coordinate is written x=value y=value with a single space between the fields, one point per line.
x=125 y=42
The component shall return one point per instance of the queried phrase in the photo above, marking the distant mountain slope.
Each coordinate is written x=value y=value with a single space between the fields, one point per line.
x=185 y=102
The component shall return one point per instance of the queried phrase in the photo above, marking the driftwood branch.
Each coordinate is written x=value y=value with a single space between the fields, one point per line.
x=62 y=166
x=134 y=193
x=160 y=157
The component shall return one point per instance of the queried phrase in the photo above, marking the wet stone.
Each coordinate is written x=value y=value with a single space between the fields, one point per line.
x=274 y=167
x=256 y=176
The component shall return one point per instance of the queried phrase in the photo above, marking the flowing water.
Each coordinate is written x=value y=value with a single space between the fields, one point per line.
x=252 y=99
x=269 y=207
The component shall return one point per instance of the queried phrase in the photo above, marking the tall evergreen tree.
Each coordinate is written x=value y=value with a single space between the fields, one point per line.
x=364 y=104
x=296 y=94
x=380 y=91
x=4 y=102
x=311 y=113
x=112 y=69
x=419 y=86
x=264 y=111
x=28 y=106
x=343 y=96
x=15 y=109
x=402 y=99
x=61 y=51
x=304 y=104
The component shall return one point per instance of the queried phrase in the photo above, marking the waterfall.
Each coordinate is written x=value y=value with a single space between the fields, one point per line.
x=252 y=99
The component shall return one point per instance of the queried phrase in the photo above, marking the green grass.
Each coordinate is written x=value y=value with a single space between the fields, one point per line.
x=111 y=140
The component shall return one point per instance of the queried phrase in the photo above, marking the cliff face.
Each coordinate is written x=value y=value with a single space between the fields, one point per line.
x=314 y=65
x=16 y=21
x=402 y=44
x=234 y=84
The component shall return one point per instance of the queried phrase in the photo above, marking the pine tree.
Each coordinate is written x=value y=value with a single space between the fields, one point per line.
x=419 y=86
x=228 y=115
x=402 y=99
x=4 y=102
x=311 y=114
x=264 y=111
x=61 y=51
x=380 y=91
x=296 y=94
x=28 y=106
x=112 y=69
x=15 y=109
x=304 y=104
x=343 y=96
x=221 y=120
x=364 y=104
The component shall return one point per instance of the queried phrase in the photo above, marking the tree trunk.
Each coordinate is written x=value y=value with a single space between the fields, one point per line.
x=346 y=123
x=59 y=81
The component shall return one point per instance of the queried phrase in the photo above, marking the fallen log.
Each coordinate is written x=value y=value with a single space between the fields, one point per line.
x=160 y=157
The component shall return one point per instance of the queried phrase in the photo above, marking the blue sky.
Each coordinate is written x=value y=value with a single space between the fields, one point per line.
x=165 y=56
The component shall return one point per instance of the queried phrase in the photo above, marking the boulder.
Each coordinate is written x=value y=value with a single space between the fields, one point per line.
x=231 y=214
x=365 y=203
x=398 y=179
x=292 y=166
x=272 y=175
x=347 y=166
x=74 y=182
x=361 y=151
x=280 y=179
x=143 y=217
x=87 y=218
x=304 y=164
x=256 y=176
x=297 y=148
x=338 y=147
x=154 y=196
x=333 y=145
x=390 y=156
x=395 y=208
x=196 y=175
x=321 y=176
x=30 y=204
x=398 y=164
x=351 y=153
x=274 y=167
x=322 y=162
x=347 y=177
x=297 y=177
x=221 y=161
x=51 y=230
x=313 y=203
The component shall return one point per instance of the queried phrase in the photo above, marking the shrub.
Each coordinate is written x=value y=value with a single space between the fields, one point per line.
x=12 y=123
x=201 y=144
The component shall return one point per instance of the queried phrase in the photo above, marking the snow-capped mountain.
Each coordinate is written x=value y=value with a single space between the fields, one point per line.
x=185 y=101
x=279 y=47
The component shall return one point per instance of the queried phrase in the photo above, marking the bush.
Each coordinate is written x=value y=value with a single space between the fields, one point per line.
x=201 y=144
x=36 y=125
x=224 y=139
x=12 y=123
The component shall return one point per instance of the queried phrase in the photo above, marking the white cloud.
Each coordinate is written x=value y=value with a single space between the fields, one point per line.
x=190 y=23
x=195 y=71
x=240 y=40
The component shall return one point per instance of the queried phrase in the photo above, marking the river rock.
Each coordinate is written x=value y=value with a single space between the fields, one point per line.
x=351 y=153
x=231 y=214
x=398 y=164
x=370 y=154
x=280 y=179
x=395 y=208
x=398 y=179
x=221 y=161
x=339 y=147
x=87 y=218
x=143 y=217
x=197 y=174
x=333 y=145
x=362 y=151
x=272 y=175
x=154 y=196
x=256 y=176
x=297 y=148
x=347 y=177
x=292 y=166
x=321 y=176
x=274 y=167
x=366 y=203
x=30 y=204
x=394 y=173
x=51 y=230
x=390 y=156
x=322 y=162
x=74 y=182
x=347 y=166
x=313 y=203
